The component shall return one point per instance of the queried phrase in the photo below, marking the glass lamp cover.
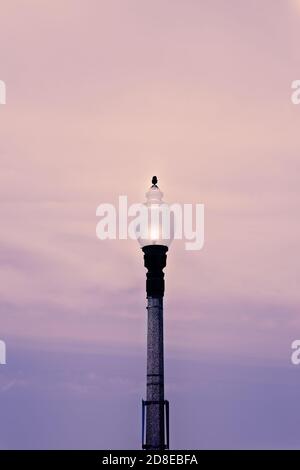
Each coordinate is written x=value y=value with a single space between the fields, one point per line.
x=160 y=227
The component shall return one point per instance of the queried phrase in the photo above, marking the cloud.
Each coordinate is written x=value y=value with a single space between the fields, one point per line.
x=202 y=101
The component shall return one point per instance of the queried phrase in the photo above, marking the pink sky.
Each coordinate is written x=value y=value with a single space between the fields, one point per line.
x=103 y=95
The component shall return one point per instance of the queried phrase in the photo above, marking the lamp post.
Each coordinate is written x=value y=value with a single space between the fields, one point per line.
x=155 y=423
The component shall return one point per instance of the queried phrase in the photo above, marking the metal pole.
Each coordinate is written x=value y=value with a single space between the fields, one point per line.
x=155 y=425
x=155 y=260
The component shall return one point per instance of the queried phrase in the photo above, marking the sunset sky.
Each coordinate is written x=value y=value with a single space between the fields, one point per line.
x=101 y=96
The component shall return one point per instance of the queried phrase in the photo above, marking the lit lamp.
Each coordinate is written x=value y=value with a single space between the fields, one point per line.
x=155 y=242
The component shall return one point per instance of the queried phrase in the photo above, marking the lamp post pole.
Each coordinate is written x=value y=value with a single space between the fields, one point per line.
x=155 y=408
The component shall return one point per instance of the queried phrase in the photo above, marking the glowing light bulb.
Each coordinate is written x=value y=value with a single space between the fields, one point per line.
x=157 y=211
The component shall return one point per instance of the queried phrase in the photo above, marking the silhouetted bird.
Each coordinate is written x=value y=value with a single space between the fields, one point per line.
x=154 y=180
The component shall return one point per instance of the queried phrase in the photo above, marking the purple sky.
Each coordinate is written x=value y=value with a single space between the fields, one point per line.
x=100 y=97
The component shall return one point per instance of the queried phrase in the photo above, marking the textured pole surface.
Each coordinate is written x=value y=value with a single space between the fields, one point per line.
x=155 y=258
x=155 y=425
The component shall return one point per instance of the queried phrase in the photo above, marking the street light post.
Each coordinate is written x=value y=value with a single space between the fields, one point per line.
x=155 y=409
